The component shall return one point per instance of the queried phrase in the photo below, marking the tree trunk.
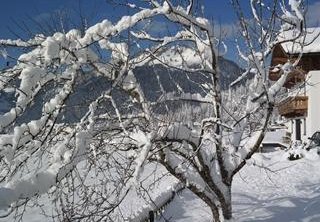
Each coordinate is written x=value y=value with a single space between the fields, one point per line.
x=215 y=213
x=226 y=204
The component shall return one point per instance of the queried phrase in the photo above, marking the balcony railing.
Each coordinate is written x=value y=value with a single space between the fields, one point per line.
x=293 y=107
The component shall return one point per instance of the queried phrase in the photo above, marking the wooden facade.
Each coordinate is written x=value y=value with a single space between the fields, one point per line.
x=308 y=62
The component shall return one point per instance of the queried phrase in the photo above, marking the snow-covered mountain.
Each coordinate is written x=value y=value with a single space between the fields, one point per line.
x=153 y=80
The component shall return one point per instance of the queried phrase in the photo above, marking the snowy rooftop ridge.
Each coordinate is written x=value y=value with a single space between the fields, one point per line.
x=309 y=43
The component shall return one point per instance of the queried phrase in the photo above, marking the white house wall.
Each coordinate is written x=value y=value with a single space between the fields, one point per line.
x=313 y=93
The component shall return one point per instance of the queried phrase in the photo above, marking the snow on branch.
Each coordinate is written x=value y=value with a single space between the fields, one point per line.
x=201 y=138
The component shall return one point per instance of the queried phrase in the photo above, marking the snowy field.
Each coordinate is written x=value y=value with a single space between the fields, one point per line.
x=280 y=191
x=270 y=189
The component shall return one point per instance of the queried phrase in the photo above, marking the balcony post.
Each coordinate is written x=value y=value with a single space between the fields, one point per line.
x=298 y=129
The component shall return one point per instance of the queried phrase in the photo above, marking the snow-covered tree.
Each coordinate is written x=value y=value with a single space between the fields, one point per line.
x=203 y=144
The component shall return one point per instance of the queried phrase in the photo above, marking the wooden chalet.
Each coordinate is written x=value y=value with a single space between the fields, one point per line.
x=296 y=106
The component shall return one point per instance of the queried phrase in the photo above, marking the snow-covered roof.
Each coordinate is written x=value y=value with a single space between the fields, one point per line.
x=309 y=43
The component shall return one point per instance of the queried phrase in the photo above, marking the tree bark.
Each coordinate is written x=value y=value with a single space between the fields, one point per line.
x=226 y=205
x=215 y=213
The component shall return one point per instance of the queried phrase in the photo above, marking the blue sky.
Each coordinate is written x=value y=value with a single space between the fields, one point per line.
x=22 y=10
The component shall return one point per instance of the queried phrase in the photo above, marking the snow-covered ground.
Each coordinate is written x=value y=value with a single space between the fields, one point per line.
x=280 y=191
x=271 y=189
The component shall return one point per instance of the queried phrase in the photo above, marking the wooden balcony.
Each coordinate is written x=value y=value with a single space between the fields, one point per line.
x=274 y=75
x=293 y=107
x=296 y=76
